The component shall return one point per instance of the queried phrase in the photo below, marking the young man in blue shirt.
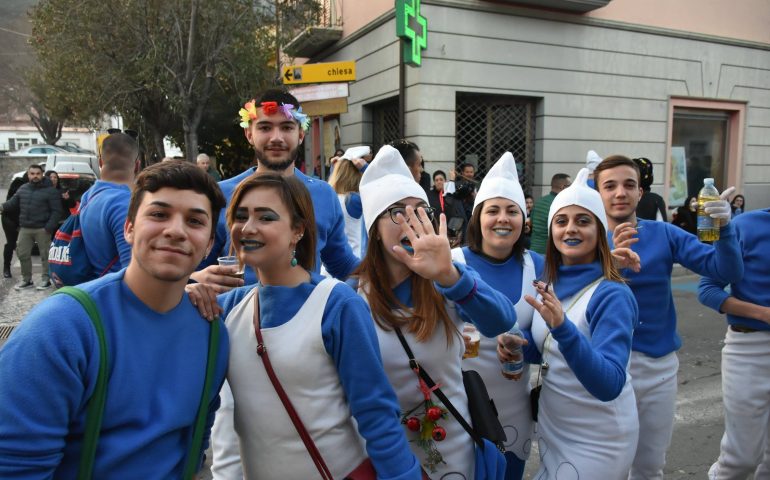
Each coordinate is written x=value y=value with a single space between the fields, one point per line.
x=654 y=363
x=746 y=354
x=157 y=346
x=275 y=126
x=101 y=224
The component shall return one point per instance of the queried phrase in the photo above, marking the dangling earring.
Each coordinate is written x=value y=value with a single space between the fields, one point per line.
x=294 y=258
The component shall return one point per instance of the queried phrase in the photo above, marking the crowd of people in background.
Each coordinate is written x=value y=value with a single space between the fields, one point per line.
x=335 y=343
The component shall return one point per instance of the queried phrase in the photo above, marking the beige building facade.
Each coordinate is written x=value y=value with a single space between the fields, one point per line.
x=684 y=83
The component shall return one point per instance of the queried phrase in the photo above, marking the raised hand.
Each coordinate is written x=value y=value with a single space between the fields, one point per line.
x=627 y=258
x=720 y=209
x=623 y=236
x=550 y=307
x=432 y=257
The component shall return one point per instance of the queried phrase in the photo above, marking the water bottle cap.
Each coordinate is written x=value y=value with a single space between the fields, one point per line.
x=708 y=181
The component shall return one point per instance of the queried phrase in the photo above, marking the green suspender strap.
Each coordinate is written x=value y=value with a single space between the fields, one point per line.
x=95 y=409
x=193 y=456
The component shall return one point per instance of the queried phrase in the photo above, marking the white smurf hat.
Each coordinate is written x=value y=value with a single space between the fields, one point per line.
x=356 y=152
x=502 y=180
x=592 y=161
x=580 y=194
x=386 y=181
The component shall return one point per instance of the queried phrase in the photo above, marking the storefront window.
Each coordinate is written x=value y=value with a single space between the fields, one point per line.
x=699 y=149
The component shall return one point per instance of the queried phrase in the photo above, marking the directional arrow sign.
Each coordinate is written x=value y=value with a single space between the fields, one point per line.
x=319 y=73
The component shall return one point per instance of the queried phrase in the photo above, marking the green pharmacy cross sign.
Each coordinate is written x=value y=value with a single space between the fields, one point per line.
x=413 y=29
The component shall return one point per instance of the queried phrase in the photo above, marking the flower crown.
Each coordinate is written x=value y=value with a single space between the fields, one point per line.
x=249 y=112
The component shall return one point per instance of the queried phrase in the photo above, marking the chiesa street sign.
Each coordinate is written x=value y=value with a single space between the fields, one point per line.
x=412 y=28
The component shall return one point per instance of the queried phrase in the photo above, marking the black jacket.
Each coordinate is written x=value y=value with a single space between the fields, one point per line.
x=38 y=204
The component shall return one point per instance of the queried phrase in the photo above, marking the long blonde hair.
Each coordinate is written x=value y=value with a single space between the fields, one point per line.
x=345 y=177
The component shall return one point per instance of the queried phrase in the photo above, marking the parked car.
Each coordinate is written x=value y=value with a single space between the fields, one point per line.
x=75 y=149
x=93 y=163
x=77 y=177
x=35 y=150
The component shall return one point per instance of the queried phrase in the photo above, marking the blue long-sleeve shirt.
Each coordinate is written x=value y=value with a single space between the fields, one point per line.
x=599 y=363
x=156 y=368
x=660 y=246
x=101 y=223
x=752 y=231
x=476 y=302
x=332 y=246
x=348 y=334
x=505 y=277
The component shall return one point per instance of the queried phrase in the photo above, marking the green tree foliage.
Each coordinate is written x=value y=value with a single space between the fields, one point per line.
x=158 y=62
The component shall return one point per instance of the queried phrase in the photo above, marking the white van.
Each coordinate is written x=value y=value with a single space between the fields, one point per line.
x=57 y=158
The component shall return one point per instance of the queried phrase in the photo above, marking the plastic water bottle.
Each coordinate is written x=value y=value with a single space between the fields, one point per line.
x=514 y=369
x=708 y=228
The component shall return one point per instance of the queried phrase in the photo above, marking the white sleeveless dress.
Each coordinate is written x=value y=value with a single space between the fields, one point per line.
x=511 y=397
x=578 y=435
x=270 y=446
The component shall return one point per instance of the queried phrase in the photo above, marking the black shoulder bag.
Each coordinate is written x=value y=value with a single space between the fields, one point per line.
x=481 y=407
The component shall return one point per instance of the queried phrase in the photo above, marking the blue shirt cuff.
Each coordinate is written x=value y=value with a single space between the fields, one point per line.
x=462 y=290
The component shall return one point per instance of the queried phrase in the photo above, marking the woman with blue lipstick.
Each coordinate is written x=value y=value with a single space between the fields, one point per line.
x=417 y=293
x=581 y=335
x=496 y=251
x=331 y=373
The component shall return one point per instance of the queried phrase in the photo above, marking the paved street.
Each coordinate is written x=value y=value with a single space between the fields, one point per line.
x=698 y=426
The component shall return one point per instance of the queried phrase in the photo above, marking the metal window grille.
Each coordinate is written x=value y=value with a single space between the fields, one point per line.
x=490 y=125
x=385 y=127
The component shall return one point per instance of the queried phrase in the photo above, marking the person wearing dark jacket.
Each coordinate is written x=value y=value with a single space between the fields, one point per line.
x=10 y=220
x=39 y=207
x=651 y=206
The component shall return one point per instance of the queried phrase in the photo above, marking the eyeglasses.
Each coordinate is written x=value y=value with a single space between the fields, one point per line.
x=131 y=133
x=395 y=210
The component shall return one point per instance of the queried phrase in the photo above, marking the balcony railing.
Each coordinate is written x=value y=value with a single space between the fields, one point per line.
x=316 y=28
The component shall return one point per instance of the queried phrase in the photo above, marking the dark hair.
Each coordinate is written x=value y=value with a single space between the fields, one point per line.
x=614 y=161
x=558 y=178
x=475 y=238
x=119 y=152
x=35 y=166
x=407 y=149
x=48 y=173
x=645 y=172
x=181 y=176
x=438 y=172
x=743 y=207
x=279 y=96
x=296 y=197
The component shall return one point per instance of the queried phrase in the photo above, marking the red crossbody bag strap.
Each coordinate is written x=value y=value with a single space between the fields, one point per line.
x=298 y=425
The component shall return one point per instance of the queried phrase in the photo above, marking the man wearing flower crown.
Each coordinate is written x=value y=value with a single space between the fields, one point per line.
x=275 y=127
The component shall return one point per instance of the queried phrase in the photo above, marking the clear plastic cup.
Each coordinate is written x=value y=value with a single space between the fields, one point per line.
x=472 y=346
x=230 y=261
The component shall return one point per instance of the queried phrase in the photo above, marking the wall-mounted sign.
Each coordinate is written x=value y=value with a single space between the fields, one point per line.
x=322 y=91
x=412 y=28
x=319 y=73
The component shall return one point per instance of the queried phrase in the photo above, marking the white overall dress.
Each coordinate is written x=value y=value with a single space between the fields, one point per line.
x=270 y=446
x=443 y=364
x=511 y=397
x=578 y=435
x=353 y=229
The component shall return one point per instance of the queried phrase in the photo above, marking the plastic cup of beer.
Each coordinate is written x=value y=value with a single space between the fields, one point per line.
x=472 y=345
x=230 y=261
